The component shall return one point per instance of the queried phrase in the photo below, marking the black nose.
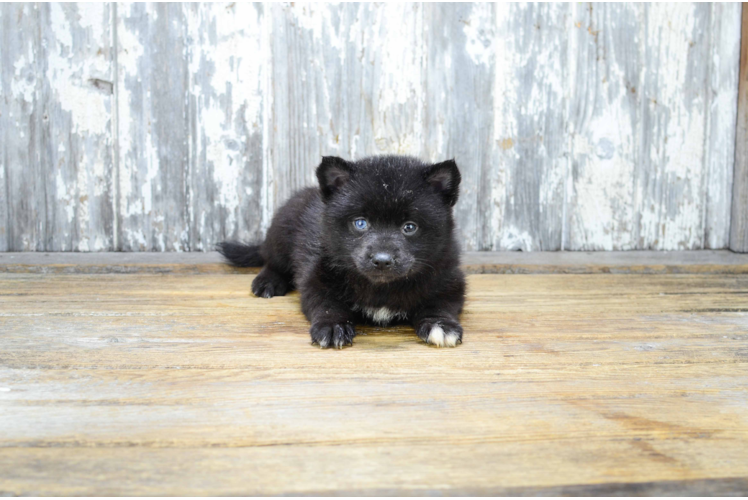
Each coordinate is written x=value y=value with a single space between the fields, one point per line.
x=382 y=260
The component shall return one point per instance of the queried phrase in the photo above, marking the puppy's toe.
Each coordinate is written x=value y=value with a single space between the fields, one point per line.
x=263 y=288
x=340 y=336
x=436 y=336
x=337 y=335
x=321 y=335
x=269 y=285
x=451 y=339
x=440 y=338
x=440 y=334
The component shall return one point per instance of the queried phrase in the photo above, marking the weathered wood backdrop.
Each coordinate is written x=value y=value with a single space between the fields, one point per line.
x=171 y=127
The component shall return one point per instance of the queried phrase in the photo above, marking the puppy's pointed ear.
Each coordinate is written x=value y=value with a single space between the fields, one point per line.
x=445 y=178
x=332 y=174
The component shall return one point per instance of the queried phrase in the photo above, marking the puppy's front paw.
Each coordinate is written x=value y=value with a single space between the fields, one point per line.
x=269 y=284
x=332 y=334
x=440 y=332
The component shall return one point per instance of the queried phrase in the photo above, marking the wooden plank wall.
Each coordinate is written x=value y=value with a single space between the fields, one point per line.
x=56 y=145
x=739 y=229
x=169 y=127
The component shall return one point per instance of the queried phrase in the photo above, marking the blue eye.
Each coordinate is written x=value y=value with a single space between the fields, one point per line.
x=410 y=228
x=360 y=224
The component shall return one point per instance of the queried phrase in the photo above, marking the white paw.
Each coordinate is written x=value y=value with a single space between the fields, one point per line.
x=439 y=338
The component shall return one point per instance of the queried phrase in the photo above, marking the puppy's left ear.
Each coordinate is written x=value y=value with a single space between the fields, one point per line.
x=445 y=178
x=332 y=174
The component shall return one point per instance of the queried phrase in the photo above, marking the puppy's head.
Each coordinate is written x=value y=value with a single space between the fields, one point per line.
x=387 y=217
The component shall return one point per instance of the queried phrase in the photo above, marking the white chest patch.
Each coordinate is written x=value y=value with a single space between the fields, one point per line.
x=380 y=315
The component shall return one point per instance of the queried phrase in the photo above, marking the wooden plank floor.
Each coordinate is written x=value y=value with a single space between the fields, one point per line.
x=185 y=384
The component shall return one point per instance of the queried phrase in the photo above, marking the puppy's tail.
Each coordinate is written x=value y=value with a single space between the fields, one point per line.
x=241 y=255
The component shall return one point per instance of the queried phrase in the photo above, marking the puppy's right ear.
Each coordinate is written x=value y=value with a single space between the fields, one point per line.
x=445 y=178
x=332 y=174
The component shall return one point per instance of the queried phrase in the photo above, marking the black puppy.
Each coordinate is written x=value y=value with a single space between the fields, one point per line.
x=374 y=243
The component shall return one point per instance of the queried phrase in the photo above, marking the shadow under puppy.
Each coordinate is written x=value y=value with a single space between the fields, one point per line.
x=374 y=243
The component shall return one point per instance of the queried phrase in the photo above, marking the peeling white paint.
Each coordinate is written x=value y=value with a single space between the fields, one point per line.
x=138 y=156
x=722 y=115
x=267 y=194
x=604 y=186
x=69 y=75
x=130 y=48
x=504 y=121
x=399 y=81
x=24 y=84
x=77 y=117
x=514 y=238
x=678 y=156
x=236 y=78
x=317 y=19
x=478 y=30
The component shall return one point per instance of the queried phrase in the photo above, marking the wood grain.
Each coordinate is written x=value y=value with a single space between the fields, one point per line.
x=24 y=213
x=739 y=227
x=722 y=87
x=55 y=121
x=226 y=118
x=531 y=95
x=152 y=384
x=346 y=81
x=153 y=127
x=458 y=111
x=642 y=180
x=76 y=144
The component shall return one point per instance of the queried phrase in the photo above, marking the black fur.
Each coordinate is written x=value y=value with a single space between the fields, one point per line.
x=241 y=255
x=344 y=272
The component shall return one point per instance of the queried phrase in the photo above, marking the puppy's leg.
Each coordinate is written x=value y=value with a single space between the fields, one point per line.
x=276 y=278
x=332 y=321
x=270 y=283
x=439 y=326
